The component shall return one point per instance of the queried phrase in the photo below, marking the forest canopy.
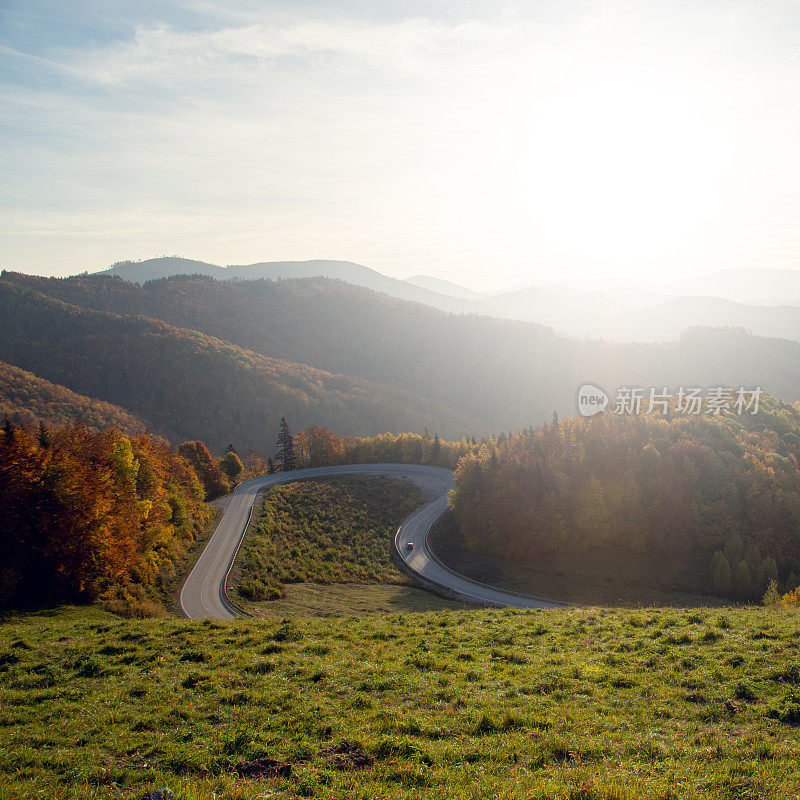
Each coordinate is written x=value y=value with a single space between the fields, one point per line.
x=724 y=490
x=90 y=515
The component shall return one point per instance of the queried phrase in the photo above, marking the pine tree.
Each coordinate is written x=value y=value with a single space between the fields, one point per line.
x=285 y=446
x=742 y=580
x=270 y=466
x=437 y=449
x=44 y=436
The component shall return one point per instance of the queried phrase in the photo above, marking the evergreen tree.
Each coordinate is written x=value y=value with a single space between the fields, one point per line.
x=742 y=580
x=285 y=446
x=437 y=449
x=270 y=466
x=44 y=436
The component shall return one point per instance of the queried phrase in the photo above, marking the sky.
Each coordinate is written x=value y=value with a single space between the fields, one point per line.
x=484 y=143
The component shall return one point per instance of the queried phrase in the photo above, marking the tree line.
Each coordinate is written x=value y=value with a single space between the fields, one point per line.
x=316 y=446
x=722 y=492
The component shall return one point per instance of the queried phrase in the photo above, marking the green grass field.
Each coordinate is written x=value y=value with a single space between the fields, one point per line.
x=311 y=536
x=343 y=599
x=580 y=704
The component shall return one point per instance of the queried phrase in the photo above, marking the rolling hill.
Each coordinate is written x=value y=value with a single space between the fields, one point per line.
x=488 y=374
x=347 y=271
x=191 y=385
x=28 y=399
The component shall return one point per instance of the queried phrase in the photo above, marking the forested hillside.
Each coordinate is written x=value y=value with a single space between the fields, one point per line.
x=190 y=385
x=93 y=514
x=722 y=491
x=499 y=373
x=28 y=399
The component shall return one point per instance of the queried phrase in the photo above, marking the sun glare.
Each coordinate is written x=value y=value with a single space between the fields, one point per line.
x=608 y=168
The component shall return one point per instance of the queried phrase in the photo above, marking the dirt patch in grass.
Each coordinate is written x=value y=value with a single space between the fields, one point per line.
x=348 y=755
x=263 y=768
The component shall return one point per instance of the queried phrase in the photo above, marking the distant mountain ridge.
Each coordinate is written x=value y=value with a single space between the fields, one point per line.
x=191 y=385
x=747 y=285
x=347 y=271
x=616 y=312
x=441 y=286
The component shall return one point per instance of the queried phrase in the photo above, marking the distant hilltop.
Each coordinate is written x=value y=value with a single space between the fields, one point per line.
x=763 y=301
x=347 y=271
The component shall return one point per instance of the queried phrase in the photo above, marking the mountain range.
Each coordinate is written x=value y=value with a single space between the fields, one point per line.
x=194 y=357
x=764 y=302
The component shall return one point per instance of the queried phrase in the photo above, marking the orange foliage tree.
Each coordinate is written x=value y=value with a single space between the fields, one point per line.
x=86 y=511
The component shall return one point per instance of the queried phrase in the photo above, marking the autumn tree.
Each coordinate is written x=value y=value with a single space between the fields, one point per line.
x=722 y=492
x=231 y=465
x=318 y=447
x=207 y=469
x=90 y=514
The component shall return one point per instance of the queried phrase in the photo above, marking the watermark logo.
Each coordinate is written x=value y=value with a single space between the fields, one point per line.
x=687 y=400
x=591 y=400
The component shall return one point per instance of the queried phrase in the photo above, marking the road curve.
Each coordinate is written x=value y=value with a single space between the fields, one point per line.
x=203 y=592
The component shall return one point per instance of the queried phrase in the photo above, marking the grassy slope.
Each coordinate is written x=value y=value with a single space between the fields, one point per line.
x=585 y=703
x=336 y=599
x=336 y=531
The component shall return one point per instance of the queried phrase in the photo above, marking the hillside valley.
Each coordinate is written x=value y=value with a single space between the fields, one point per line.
x=407 y=364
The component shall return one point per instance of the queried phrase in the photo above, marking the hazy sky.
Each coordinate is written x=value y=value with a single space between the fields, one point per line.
x=487 y=143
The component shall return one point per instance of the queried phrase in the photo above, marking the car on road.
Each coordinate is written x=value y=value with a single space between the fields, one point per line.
x=410 y=546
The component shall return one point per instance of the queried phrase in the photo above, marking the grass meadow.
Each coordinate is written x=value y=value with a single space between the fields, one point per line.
x=578 y=703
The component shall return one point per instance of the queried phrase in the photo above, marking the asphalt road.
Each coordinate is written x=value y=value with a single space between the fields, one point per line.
x=202 y=594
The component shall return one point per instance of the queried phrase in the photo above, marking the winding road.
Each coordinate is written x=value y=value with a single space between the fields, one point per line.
x=203 y=592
